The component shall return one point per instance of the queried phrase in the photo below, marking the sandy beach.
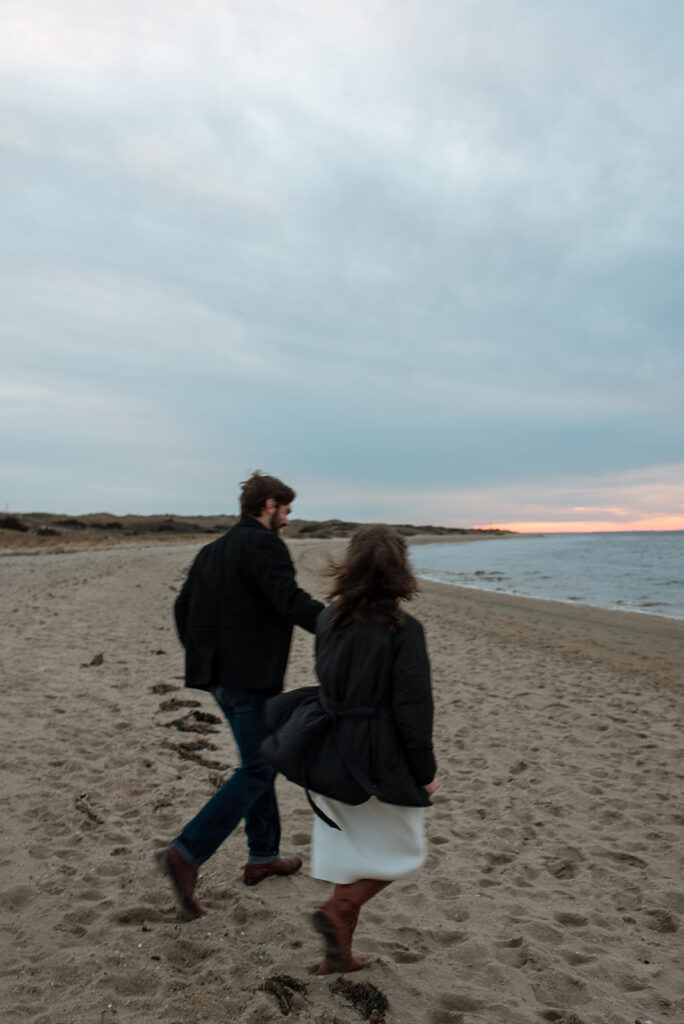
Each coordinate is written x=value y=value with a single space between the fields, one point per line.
x=554 y=888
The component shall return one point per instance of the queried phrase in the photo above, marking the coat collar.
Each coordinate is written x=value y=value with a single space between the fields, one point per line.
x=252 y=522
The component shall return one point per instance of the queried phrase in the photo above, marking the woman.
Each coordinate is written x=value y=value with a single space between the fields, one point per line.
x=375 y=684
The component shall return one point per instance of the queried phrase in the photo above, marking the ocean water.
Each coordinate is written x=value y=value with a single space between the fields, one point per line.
x=638 y=572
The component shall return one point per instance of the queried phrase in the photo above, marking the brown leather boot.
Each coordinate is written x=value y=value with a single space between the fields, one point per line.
x=336 y=920
x=252 y=874
x=182 y=877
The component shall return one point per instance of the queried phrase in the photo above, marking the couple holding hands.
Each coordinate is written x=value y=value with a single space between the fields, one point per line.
x=360 y=743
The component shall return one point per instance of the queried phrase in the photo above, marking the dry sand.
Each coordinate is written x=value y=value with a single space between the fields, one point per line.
x=554 y=888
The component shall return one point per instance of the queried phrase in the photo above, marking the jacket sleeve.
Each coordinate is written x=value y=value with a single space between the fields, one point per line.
x=275 y=576
x=412 y=702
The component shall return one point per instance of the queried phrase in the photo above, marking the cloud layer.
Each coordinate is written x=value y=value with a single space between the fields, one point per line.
x=416 y=257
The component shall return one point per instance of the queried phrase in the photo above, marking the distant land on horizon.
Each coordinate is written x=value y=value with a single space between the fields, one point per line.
x=100 y=525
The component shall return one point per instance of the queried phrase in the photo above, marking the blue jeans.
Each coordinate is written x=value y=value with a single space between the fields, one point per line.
x=247 y=794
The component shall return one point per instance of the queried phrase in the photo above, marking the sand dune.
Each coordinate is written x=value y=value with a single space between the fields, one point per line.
x=554 y=889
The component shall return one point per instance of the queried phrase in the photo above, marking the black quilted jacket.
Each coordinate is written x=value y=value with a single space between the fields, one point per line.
x=368 y=728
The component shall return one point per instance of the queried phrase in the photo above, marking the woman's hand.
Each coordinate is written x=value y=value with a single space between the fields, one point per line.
x=431 y=787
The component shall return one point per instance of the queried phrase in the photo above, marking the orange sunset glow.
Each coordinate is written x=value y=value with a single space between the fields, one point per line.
x=654 y=523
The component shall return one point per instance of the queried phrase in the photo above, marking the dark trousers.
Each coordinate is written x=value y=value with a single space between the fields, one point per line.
x=247 y=794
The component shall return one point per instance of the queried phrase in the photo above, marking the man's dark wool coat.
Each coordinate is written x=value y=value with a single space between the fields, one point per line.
x=237 y=608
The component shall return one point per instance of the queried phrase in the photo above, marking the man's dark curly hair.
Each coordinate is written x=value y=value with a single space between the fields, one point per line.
x=371 y=580
x=258 y=488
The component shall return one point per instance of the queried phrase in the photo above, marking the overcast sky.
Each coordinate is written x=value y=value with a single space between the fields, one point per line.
x=423 y=259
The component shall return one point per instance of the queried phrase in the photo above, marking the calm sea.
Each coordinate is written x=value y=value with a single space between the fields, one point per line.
x=638 y=572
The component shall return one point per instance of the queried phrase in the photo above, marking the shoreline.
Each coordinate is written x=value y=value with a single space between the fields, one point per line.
x=566 y=603
x=633 y=577
x=338 y=544
x=607 y=635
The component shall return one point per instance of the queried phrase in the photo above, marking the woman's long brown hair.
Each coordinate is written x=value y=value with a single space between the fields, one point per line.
x=371 y=580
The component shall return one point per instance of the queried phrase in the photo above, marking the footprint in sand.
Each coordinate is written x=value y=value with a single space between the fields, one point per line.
x=570 y=920
x=498 y=860
x=542 y=932
x=576 y=959
x=140 y=914
x=78 y=930
x=131 y=982
x=183 y=952
x=557 y=989
x=401 y=954
x=448 y=937
x=451 y=1008
x=445 y=888
x=114 y=870
x=659 y=920
x=413 y=939
x=17 y=897
x=408 y=887
x=241 y=913
x=456 y=913
x=674 y=900
x=630 y=983
x=626 y=859
x=565 y=862
x=512 y=952
x=84 y=916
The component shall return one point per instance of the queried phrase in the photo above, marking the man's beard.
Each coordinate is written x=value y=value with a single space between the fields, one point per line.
x=272 y=524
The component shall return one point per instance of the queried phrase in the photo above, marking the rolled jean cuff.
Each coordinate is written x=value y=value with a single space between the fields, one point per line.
x=186 y=855
x=266 y=858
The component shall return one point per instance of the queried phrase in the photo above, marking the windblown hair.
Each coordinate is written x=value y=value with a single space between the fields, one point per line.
x=371 y=580
x=258 y=488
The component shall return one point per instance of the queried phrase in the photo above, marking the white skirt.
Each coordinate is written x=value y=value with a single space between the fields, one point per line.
x=377 y=840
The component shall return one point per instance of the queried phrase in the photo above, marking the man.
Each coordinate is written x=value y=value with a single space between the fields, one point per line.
x=235 y=615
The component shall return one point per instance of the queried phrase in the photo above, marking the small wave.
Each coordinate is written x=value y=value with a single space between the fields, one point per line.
x=612 y=570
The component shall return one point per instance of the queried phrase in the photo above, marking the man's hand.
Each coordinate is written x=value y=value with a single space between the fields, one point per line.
x=431 y=787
